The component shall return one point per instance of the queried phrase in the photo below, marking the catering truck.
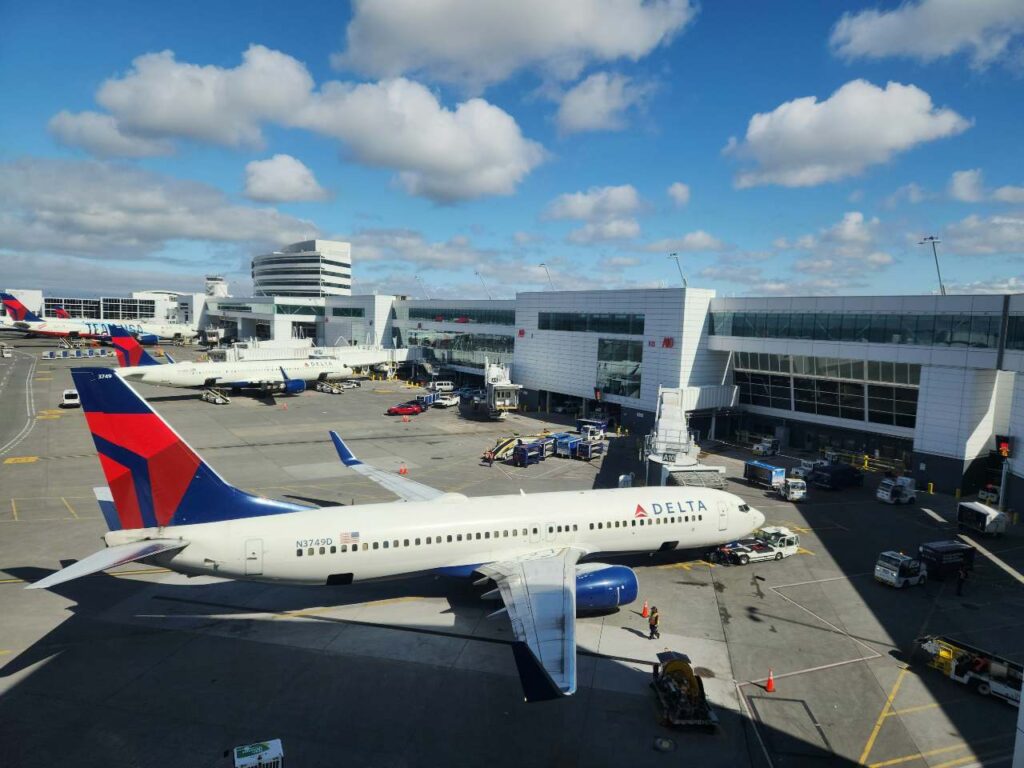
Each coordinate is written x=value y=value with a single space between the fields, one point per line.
x=899 y=570
x=760 y=473
x=970 y=515
x=792 y=489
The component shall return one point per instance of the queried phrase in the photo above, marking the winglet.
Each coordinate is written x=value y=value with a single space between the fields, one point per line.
x=344 y=453
x=537 y=683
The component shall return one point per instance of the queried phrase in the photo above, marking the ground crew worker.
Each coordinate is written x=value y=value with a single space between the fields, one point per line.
x=653 y=622
x=490 y=458
x=961 y=577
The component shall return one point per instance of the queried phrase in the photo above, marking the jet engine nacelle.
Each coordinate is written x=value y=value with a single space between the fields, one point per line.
x=148 y=339
x=600 y=587
x=294 y=386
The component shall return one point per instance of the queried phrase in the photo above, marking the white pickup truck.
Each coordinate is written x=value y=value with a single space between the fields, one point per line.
x=771 y=543
x=446 y=401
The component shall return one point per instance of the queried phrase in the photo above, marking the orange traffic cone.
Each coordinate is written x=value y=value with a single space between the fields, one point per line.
x=770 y=685
x=646 y=611
x=402 y=470
x=405 y=419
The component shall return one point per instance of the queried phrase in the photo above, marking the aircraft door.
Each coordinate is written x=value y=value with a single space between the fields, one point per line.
x=549 y=531
x=253 y=557
x=723 y=516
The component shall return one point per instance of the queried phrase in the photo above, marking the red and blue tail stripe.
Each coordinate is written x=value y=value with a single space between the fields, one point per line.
x=18 y=311
x=155 y=477
x=129 y=351
x=61 y=313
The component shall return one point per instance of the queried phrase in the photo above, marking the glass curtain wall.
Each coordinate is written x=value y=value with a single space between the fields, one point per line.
x=619 y=365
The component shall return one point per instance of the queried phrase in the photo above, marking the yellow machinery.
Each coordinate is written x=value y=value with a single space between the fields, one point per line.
x=987 y=673
x=681 y=692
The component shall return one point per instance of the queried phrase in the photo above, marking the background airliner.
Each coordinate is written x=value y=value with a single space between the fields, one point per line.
x=288 y=376
x=20 y=318
x=171 y=508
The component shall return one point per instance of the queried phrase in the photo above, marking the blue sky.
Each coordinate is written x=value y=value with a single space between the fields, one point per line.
x=778 y=148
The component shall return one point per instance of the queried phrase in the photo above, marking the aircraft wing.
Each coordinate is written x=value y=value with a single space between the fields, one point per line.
x=539 y=591
x=403 y=487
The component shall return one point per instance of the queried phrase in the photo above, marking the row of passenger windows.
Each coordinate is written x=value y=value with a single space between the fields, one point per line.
x=671 y=519
x=450 y=538
x=479 y=536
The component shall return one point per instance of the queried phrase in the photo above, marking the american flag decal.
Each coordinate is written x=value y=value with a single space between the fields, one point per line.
x=349 y=537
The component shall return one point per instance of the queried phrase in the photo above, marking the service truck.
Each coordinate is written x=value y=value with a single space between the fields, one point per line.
x=945 y=557
x=770 y=543
x=806 y=467
x=760 y=473
x=792 y=489
x=766 y=448
x=897 y=490
x=970 y=515
x=899 y=570
x=986 y=673
x=836 y=476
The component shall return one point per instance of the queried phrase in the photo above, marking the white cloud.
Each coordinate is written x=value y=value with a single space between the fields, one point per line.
x=1014 y=284
x=912 y=193
x=804 y=142
x=846 y=249
x=595 y=203
x=280 y=179
x=480 y=42
x=984 y=236
x=160 y=96
x=758 y=284
x=102 y=210
x=680 y=193
x=691 y=242
x=931 y=29
x=446 y=155
x=602 y=231
x=967 y=186
x=407 y=247
x=100 y=135
x=599 y=103
x=1009 y=194
x=473 y=150
x=608 y=212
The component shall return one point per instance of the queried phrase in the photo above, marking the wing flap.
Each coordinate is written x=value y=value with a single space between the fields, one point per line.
x=403 y=487
x=109 y=558
x=539 y=592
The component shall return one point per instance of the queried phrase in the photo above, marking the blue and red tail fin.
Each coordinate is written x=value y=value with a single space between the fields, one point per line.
x=154 y=476
x=129 y=351
x=61 y=313
x=18 y=311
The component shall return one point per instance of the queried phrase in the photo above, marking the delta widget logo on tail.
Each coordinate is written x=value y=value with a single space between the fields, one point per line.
x=671 y=508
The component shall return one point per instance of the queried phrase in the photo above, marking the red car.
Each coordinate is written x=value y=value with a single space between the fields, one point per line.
x=405 y=409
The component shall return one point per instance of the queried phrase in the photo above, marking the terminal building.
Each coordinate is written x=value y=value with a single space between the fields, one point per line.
x=924 y=383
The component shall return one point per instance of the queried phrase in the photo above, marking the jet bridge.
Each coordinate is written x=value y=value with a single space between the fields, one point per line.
x=671 y=455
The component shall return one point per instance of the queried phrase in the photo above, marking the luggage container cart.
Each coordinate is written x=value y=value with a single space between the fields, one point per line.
x=986 y=673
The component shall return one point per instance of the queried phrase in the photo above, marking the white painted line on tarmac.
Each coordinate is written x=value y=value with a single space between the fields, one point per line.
x=753 y=720
x=1001 y=563
x=30 y=408
x=934 y=515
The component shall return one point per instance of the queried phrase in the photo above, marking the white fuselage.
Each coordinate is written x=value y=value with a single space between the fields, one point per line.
x=98 y=329
x=386 y=540
x=242 y=373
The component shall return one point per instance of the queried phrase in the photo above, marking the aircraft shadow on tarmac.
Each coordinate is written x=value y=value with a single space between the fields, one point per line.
x=129 y=685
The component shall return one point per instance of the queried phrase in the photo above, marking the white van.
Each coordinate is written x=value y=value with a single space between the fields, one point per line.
x=441 y=386
x=70 y=399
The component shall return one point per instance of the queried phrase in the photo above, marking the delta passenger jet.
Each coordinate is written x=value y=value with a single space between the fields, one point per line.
x=29 y=323
x=170 y=508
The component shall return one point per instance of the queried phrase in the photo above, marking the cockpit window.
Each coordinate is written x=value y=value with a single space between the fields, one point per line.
x=744 y=507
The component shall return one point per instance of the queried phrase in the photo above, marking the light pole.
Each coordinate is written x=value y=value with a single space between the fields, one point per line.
x=935 y=241
x=675 y=256
x=548 y=274
x=422 y=287
x=483 y=284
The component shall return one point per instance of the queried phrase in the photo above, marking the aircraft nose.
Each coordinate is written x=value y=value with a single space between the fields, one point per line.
x=758 y=518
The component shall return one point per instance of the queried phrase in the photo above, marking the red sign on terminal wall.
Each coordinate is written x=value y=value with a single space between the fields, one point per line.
x=668 y=342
